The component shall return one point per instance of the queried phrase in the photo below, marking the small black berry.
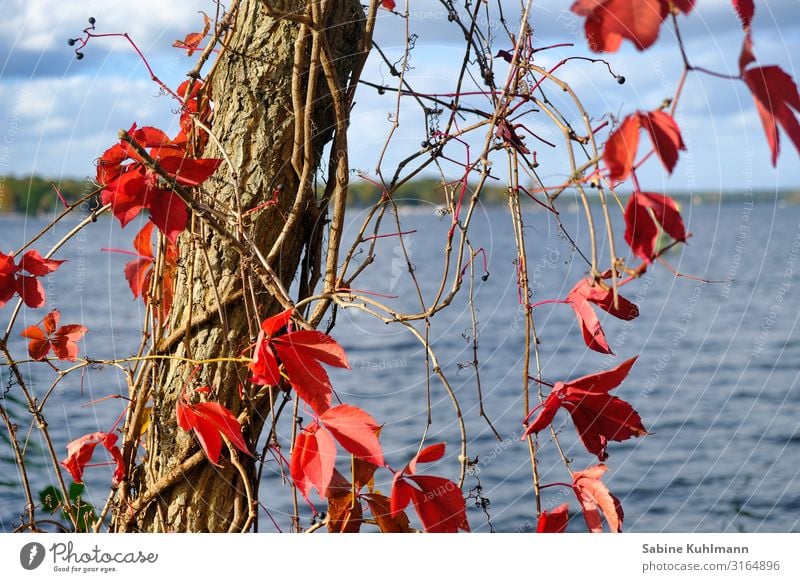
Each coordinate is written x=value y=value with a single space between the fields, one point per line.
x=381 y=91
x=92 y=20
x=78 y=55
x=71 y=42
x=621 y=80
x=485 y=276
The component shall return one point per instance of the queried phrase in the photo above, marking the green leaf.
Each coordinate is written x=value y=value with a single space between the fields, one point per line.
x=75 y=490
x=51 y=498
x=86 y=517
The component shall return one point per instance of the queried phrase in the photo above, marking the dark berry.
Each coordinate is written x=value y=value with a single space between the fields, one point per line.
x=78 y=55
x=92 y=20
x=621 y=80
x=71 y=42
x=485 y=276
x=381 y=90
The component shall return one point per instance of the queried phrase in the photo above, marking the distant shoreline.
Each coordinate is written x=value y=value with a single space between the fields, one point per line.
x=35 y=195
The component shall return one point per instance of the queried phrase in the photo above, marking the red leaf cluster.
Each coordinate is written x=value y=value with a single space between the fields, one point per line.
x=620 y=149
x=80 y=451
x=586 y=292
x=645 y=216
x=130 y=186
x=437 y=501
x=61 y=340
x=28 y=287
x=598 y=416
x=139 y=272
x=610 y=21
x=301 y=353
x=595 y=497
x=314 y=453
x=209 y=421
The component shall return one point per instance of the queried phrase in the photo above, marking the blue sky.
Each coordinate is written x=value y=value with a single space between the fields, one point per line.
x=57 y=115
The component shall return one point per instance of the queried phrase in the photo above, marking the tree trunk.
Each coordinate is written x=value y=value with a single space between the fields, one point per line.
x=216 y=293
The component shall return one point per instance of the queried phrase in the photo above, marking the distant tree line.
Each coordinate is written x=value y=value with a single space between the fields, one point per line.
x=34 y=195
x=37 y=195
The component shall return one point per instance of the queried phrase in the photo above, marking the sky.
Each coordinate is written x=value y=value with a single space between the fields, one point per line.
x=58 y=114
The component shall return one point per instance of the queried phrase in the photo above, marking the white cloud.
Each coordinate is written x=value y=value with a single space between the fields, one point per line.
x=46 y=24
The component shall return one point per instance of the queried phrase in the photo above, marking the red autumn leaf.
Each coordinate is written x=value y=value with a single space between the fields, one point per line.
x=28 y=287
x=300 y=352
x=598 y=416
x=665 y=135
x=196 y=106
x=388 y=4
x=429 y=454
x=169 y=213
x=684 y=6
x=209 y=421
x=354 y=429
x=8 y=279
x=438 y=501
x=62 y=340
x=579 y=298
x=139 y=272
x=620 y=149
x=274 y=324
x=188 y=171
x=313 y=460
x=80 y=451
x=554 y=521
x=595 y=497
x=314 y=454
x=644 y=214
x=745 y=10
x=775 y=94
x=593 y=335
x=507 y=132
x=192 y=40
x=609 y=21
x=38 y=266
x=603 y=298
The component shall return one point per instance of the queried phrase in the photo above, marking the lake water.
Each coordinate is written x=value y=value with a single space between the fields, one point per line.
x=716 y=382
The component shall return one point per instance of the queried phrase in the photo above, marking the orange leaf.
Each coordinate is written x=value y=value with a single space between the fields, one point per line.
x=595 y=497
x=62 y=341
x=380 y=507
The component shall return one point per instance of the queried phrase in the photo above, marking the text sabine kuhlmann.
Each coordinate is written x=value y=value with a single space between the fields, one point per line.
x=693 y=549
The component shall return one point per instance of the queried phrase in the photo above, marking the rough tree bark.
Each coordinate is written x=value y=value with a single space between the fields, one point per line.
x=255 y=122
